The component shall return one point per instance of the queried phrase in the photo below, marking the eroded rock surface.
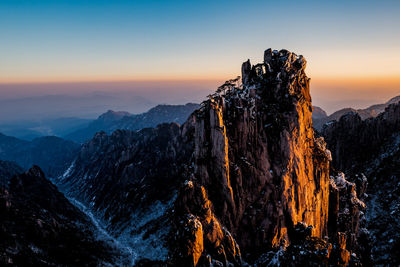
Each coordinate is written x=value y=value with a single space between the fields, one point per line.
x=370 y=150
x=256 y=155
x=239 y=178
x=354 y=141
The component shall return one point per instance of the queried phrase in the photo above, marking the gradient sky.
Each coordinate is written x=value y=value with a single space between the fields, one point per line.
x=352 y=47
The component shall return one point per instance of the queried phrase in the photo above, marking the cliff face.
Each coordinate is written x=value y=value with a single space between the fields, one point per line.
x=130 y=181
x=383 y=213
x=372 y=147
x=354 y=141
x=256 y=156
x=245 y=174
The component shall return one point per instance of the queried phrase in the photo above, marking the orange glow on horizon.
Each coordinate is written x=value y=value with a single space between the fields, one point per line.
x=42 y=80
x=357 y=82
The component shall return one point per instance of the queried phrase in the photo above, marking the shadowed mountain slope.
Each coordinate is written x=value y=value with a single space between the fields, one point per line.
x=244 y=176
x=40 y=227
x=51 y=153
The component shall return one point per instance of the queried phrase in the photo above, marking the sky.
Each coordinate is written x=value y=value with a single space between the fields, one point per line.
x=176 y=51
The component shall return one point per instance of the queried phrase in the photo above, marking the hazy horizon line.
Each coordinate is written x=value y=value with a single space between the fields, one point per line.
x=348 y=78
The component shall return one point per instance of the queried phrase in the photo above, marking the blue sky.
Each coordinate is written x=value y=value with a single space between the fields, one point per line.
x=54 y=41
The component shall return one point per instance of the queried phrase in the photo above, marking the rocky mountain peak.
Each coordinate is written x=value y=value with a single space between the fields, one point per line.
x=394 y=100
x=369 y=150
x=35 y=171
x=256 y=157
x=111 y=115
x=281 y=68
x=244 y=175
x=318 y=113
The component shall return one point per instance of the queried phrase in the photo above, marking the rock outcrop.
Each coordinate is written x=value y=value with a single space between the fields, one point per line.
x=256 y=155
x=130 y=180
x=244 y=175
x=370 y=150
x=347 y=215
x=383 y=203
x=354 y=141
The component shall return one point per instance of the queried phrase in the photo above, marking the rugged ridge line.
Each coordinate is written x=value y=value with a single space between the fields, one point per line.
x=256 y=156
x=244 y=175
x=354 y=141
x=371 y=149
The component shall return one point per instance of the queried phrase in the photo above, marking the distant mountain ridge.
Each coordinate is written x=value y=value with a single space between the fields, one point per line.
x=29 y=130
x=244 y=175
x=114 y=120
x=245 y=180
x=371 y=112
x=86 y=105
x=51 y=153
x=318 y=113
x=54 y=154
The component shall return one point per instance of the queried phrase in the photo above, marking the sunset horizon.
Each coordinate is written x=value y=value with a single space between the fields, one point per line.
x=228 y=133
x=349 y=47
x=330 y=93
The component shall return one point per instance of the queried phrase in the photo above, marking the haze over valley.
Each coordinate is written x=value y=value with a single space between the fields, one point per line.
x=200 y=133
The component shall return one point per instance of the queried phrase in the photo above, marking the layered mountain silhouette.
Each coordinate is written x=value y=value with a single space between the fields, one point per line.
x=244 y=179
x=81 y=130
x=241 y=179
x=320 y=117
x=29 y=130
x=52 y=153
x=55 y=154
x=114 y=120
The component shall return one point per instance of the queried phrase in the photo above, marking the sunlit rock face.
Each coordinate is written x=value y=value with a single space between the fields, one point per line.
x=229 y=184
x=256 y=156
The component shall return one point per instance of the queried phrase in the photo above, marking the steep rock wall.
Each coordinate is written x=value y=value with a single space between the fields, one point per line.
x=257 y=157
x=372 y=148
x=354 y=141
x=235 y=180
